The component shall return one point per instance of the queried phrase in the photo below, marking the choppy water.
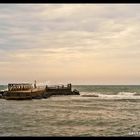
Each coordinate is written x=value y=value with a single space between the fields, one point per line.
x=115 y=112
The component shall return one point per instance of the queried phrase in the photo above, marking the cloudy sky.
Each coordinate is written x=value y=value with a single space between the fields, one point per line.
x=77 y=43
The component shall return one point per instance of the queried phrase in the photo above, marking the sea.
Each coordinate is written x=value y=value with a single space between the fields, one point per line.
x=111 y=110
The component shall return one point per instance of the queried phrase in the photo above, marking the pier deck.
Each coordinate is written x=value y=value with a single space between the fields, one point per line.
x=24 y=91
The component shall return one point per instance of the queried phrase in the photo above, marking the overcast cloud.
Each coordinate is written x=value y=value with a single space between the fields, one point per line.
x=78 y=43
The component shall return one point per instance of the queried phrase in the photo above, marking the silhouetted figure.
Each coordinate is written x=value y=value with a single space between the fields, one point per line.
x=35 y=84
x=69 y=86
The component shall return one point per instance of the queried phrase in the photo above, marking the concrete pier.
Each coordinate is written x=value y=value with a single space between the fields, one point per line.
x=22 y=91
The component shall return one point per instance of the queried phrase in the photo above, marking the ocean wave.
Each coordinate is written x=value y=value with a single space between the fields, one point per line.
x=119 y=95
x=126 y=93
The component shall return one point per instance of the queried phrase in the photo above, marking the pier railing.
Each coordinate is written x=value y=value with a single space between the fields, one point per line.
x=19 y=86
x=59 y=86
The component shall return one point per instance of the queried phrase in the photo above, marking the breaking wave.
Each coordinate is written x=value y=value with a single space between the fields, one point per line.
x=119 y=95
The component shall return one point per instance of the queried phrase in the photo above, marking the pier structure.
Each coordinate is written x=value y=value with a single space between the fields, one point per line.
x=22 y=91
x=19 y=86
x=60 y=90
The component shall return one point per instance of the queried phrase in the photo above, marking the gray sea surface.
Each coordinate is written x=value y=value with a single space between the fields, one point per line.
x=114 y=112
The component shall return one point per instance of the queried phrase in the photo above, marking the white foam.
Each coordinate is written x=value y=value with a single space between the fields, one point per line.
x=89 y=93
x=6 y=89
x=126 y=93
x=120 y=95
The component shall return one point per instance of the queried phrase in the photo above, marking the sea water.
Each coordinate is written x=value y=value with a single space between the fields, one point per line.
x=114 y=112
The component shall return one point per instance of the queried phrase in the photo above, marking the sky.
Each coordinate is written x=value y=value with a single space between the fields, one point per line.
x=70 y=43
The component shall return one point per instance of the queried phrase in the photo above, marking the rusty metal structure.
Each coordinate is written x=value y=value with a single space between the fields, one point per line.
x=19 y=86
x=23 y=91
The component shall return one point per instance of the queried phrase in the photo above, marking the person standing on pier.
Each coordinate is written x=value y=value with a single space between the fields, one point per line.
x=35 y=84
